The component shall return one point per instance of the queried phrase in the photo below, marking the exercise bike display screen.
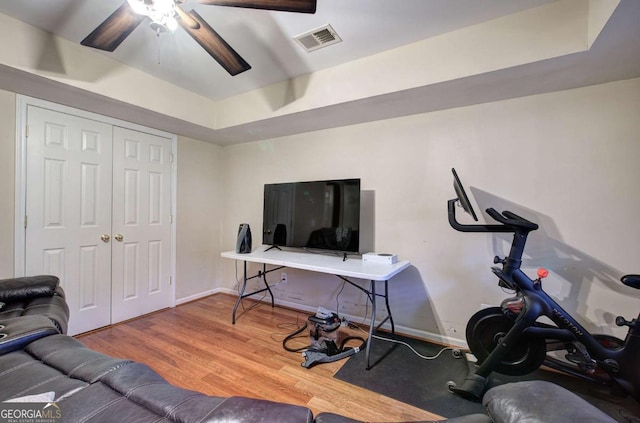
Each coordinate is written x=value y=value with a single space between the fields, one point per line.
x=462 y=196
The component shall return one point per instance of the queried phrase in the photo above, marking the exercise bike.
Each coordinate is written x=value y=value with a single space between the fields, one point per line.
x=510 y=340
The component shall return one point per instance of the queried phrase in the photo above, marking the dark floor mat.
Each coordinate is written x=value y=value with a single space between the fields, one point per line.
x=400 y=374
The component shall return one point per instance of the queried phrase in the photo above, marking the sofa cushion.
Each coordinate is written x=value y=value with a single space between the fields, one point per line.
x=99 y=403
x=70 y=357
x=22 y=375
x=471 y=418
x=57 y=363
x=241 y=409
x=141 y=385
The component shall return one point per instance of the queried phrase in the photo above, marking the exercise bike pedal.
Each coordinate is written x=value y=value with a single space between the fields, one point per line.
x=584 y=363
x=577 y=358
x=611 y=365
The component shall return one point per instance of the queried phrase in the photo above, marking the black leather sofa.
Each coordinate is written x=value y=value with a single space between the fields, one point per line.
x=89 y=386
x=39 y=363
x=42 y=365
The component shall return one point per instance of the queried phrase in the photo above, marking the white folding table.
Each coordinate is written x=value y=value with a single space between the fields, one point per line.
x=339 y=266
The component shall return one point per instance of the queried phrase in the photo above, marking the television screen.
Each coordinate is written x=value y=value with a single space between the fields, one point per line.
x=322 y=215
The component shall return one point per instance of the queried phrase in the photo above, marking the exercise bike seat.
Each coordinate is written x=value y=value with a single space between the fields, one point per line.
x=631 y=280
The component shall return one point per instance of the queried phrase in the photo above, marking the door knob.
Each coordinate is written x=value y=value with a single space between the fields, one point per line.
x=119 y=237
x=105 y=237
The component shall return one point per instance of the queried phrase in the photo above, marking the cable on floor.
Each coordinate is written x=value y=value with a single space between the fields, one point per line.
x=456 y=352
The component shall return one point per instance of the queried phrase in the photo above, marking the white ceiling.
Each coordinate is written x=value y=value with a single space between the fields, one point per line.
x=264 y=38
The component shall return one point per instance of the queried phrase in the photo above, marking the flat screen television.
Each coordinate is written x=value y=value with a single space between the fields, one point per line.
x=323 y=215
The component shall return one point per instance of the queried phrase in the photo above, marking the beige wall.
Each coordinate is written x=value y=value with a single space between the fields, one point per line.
x=199 y=209
x=567 y=160
x=7 y=181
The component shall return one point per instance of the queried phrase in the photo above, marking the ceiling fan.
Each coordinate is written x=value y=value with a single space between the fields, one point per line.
x=167 y=14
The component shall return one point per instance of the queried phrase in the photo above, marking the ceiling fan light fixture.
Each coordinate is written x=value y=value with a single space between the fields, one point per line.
x=161 y=12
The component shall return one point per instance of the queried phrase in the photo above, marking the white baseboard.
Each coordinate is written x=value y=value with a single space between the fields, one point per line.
x=401 y=330
x=196 y=296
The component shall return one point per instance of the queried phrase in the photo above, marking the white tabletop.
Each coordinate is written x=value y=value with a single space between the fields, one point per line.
x=323 y=263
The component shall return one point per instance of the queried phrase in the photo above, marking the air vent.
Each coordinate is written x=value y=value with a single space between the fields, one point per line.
x=318 y=38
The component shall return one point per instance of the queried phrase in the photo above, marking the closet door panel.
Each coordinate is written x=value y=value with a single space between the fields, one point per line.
x=68 y=208
x=141 y=224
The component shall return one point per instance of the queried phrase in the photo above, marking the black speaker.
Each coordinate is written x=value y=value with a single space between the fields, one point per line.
x=243 y=243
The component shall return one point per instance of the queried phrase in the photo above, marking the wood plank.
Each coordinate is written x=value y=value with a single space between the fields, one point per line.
x=196 y=347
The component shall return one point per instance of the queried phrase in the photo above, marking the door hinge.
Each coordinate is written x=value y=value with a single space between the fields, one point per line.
x=170 y=280
x=171 y=157
x=170 y=218
x=25 y=222
x=26 y=130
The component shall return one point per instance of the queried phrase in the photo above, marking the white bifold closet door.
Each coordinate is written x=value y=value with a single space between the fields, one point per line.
x=141 y=219
x=98 y=216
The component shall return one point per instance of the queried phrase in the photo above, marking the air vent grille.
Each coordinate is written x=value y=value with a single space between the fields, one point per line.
x=318 y=38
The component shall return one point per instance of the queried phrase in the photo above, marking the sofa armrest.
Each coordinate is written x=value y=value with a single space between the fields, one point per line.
x=23 y=288
x=538 y=401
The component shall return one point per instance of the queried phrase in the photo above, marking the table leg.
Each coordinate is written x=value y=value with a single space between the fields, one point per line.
x=264 y=279
x=241 y=294
x=372 y=326
x=386 y=301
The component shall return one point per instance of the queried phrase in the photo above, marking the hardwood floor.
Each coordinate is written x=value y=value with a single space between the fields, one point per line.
x=195 y=346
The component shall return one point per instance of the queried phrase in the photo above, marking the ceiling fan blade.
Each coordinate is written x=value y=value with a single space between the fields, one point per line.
x=300 y=6
x=213 y=43
x=110 y=33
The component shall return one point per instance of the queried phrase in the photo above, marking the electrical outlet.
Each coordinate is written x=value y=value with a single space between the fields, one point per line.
x=283 y=279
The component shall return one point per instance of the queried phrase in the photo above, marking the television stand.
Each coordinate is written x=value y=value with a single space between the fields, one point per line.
x=320 y=263
x=273 y=247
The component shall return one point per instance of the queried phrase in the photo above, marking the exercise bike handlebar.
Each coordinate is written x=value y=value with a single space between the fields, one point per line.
x=511 y=219
x=510 y=222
